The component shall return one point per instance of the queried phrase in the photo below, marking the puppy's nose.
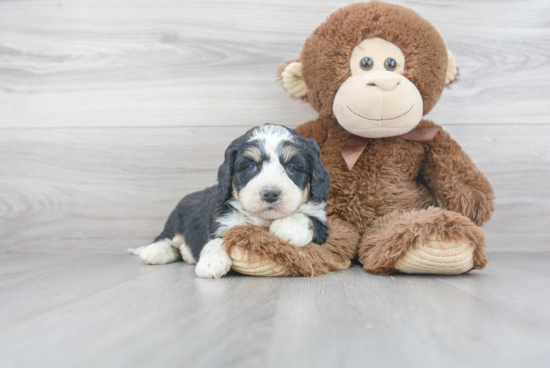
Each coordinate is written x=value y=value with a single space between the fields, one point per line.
x=270 y=196
x=386 y=81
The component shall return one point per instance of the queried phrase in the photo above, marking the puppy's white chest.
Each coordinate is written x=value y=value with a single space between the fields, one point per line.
x=237 y=218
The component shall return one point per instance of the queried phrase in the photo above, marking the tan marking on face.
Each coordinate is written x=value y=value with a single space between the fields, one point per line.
x=305 y=194
x=289 y=152
x=254 y=153
x=235 y=193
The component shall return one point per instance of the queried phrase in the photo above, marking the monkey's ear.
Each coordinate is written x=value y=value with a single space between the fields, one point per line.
x=452 y=69
x=293 y=79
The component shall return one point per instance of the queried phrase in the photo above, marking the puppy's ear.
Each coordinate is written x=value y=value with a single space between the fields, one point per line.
x=320 y=178
x=225 y=174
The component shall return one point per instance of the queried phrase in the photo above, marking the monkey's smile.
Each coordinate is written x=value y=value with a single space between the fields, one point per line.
x=405 y=113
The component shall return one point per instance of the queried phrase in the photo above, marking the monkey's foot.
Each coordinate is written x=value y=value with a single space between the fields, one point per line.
x=432 y=241
x=437 y=257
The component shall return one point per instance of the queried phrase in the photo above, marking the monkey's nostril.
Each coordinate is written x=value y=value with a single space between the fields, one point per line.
x=371 y=84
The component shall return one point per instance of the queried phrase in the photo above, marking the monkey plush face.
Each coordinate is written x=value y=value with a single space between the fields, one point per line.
x=376 y=100
x=376 y=68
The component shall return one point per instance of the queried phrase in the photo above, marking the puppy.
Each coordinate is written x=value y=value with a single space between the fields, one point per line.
x=271 y=177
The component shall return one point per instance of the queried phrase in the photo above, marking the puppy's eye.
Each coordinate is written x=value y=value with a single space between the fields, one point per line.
x=390 y=64
x=366 y=63
x=251 y=168
x=290 y=169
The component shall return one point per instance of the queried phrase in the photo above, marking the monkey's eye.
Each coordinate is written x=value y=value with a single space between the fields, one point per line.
x=251 y=168
x=290 y=169
x=366 y=63
x=390 y=64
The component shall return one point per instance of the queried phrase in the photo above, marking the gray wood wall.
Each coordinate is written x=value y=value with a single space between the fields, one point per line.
x=112 y=110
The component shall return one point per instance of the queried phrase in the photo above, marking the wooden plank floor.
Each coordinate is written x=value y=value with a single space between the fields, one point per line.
x=60 y=310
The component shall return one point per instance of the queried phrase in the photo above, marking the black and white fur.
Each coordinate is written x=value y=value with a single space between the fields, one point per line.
x=272 y=177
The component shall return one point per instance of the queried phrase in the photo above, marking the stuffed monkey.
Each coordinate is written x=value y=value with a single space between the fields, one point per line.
x=404 y=195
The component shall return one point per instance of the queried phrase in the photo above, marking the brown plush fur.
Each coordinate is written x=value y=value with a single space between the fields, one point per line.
x=394 y=180
x=395 y=174
x=312 y=260
x=391 y=235
x=327 y=51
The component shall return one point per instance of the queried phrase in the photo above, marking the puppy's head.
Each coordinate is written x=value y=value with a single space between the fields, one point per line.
x=271 y=171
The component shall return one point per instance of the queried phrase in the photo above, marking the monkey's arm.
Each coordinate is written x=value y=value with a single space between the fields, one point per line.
x=254 y=250
x=456 y=181
x=315 y=129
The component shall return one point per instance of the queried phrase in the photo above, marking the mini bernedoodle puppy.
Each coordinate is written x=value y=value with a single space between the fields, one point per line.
x=271 y=177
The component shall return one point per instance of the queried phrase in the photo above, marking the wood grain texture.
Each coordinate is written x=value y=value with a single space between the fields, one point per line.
x=111 y=111
x=109 y=189
x=173 y=63
x=113 y=311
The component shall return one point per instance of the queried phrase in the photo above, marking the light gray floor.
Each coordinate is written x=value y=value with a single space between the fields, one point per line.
x=60 y=310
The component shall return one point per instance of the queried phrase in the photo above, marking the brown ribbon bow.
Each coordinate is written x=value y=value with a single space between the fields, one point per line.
x=355 y=145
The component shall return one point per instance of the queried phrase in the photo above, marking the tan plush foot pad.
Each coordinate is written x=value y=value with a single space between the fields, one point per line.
x=255 y=251
x=431 y=241
x=261 y=267
x=437 y=257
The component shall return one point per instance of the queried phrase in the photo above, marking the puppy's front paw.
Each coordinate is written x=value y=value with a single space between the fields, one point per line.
x=214 y=261
x=296 y=229
x=159 y=253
